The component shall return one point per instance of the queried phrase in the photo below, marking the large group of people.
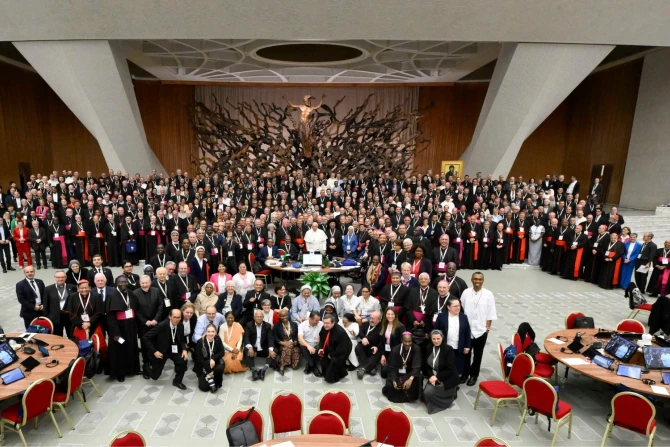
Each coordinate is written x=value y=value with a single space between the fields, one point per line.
x=413 y=320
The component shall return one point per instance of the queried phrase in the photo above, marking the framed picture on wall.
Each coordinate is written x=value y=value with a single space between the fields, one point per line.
x=454 y=168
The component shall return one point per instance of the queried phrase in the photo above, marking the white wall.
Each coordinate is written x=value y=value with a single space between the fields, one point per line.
x=645 y=183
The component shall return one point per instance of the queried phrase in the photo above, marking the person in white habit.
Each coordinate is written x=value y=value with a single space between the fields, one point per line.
x=315 y=239
x=348 y=322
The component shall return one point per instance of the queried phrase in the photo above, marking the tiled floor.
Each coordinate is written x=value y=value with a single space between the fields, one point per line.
x=167 y=416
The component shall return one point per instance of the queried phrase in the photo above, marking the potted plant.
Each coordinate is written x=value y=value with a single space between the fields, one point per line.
x=318 y=282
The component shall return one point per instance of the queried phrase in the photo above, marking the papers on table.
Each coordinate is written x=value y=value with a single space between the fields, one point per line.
x=660 y=390
x=557 y=341
x=27 y=335
x=285 y=444
x=643 y=269
x=576 y=361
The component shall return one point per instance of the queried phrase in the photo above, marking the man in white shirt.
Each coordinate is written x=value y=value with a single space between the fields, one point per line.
x=480 y=308
x=308 y=339
x=316 y=239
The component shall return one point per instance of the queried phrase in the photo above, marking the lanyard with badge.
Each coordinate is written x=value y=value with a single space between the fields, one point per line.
x=211 y=348
x=393 y=294
x=423 y=297
x=166 y=300
x=84 y=316
x=439 y=308
x=61 y=296
x=173 y=331
x=435 y=356
x=186 y=295
x=128 y=313
x=403 y=370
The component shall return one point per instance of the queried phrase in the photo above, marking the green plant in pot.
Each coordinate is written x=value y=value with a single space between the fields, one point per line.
x=318 y=282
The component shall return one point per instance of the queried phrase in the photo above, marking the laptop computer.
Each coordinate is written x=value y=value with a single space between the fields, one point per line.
x=312 y=259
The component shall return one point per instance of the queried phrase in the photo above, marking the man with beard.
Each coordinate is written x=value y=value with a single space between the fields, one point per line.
x=456 y=284
x=160 y=259
x=334 y=350
x=120 y=308
x=150 y=306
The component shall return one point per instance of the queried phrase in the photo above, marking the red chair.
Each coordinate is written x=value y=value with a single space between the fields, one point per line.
x=263 y=274
x=540 y=357
x=86 y=381
x=542 y=398
x=43 y=322
x=37 y=400
x=570 y=319
x=338 y=402
x=326 y=423
x=633 y=412
x=393 y=427
x=255 y=417
x=491 y=442
x=633 y=326
x=128 y=438
x=74 y=382
x=502 y=391
x=286 y=413
x=641 y=308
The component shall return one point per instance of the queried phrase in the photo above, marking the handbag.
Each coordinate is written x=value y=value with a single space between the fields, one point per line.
x=584 y=323
x=131 y=247
x=242 y=433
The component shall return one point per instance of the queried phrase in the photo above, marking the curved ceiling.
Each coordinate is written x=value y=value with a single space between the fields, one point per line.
x=352 y=61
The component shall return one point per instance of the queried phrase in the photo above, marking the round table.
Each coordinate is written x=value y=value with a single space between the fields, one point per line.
x=276 y=265
x=596 y=372
x=317 y=440
x=70 y=351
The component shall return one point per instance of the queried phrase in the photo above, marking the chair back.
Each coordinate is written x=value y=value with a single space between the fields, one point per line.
x=491 y=442
x=540 y=396
x=286 y=413
x=76 y=377
x=281 y=252
x=522 y=367
x=570 y=319
x=394 y=423
x=633 y=326
x=521 y=347
x=252 y=258
x=43 y=322
x=96 y=342
x=128 y=438
x=633 y=412
x=37 y=399
x=255 y=417
x=338 y=402
x=326 y=423
x=501 y=358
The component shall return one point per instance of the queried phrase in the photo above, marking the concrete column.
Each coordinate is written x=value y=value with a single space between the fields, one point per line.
x=530 y=80
x=648 y=164
x=92 y=79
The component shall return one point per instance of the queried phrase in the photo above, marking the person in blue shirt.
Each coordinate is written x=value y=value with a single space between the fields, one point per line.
x=350 y=243
x=211 y=316
x=304 y=304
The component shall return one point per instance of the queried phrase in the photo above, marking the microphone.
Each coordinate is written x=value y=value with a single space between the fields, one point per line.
x=369 y=443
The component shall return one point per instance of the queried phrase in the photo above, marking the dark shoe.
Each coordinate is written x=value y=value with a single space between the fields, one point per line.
x=254 y=375
x=307 y=370
x=39 y=267
x=317 y=373
x=4 y=270
x=179 y=385
x=351 y=368
x=281 y=371
x=360 y=373
x=464 y=379
x=121 y=378
x=472 y=381
x=261 y=374
x=11 y=268
x=145 y=375
x=373 y=372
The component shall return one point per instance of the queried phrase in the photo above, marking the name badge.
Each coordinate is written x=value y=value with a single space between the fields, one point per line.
x=458 y=239
x=56 y=235
x=130 y=313
x=390 y=304
x=348 y=247
x=382 y=260
x=85 y=318
x=485 y=239
x=98 y=235
x=163 y=227
x=130 y=232
x=113 y=233
x=434 y=317
x=230 y=252
x=174 y=349
x=560 y=238
x=423 y=309
x=153 y=233
x=387 y=347
x=473 y=233
x=214 y=251
x=595 y=245
x=522 y=230
x=402 y=371
x=665 y=261
x=332 y=240
x=250 y=246
x=166 y=302
x=441 y=265
x=394 y=267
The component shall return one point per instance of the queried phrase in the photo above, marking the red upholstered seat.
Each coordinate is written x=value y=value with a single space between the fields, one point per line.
x=264 y=272
x=11 y=413
x=393 y=427
x=338 y=402
x=491 y=442
x=563 y=409
x=542 y=398
x=60 y=397
x=255 y=417
x=633 y=412
x=543 y=357
x=498 y=389
x=326 y=423
x=43 y=322
x=544 y=370
x=646 y=307
x=630 y=326
x=286 y=413
x=128 y=439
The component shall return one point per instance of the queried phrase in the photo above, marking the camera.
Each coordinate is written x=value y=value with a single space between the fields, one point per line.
x=210 y=382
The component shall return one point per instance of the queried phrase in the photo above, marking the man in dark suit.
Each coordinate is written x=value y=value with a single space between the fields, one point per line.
x=183 y=286
x=5 y=242
x=289 y=247
x=149 y=312
x=269 y=251
x=368 y=350
x=252 y=301
x=442 y=256
x=38 y=242
x=596 y=188
x=30 y=293
x=258 y=342
x=55 y=297
x=166 y=341
x=98 y=268
x=646 y=256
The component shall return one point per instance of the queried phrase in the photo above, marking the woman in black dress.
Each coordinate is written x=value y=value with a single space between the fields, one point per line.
x=208 y=355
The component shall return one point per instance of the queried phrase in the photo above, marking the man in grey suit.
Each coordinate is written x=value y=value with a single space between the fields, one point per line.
x=55 y=297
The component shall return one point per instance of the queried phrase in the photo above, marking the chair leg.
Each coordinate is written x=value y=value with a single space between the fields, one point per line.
x=495 y=411
x=479 y=393
x=81 y=398
x=553 y=440
x=607 y=432
x=537 y=415
x=23 y=439
x=523 y=419
x=2 y=433
x=67 y=416
x=53 y=419
x=37 y=421
x=651 y=438
x=95 y=387
x=570 y=426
